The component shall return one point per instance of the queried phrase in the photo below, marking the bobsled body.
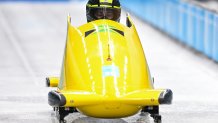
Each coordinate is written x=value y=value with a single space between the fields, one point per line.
x=104 y=72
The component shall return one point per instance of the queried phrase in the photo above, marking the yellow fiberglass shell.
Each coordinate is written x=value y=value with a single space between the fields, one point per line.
x=104 y=72
x=104 y=57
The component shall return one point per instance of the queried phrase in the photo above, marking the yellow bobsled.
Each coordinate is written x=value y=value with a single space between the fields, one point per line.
x=105 y=74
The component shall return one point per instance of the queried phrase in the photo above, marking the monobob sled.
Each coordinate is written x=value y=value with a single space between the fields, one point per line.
x=105 y=74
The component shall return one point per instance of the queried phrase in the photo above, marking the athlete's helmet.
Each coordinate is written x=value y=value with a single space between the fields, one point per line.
x=103 y=9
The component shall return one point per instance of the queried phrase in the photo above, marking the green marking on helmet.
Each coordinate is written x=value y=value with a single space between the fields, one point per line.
x=106 y=1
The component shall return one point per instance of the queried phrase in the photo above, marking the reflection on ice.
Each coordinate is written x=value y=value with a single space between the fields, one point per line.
x=79 y=118
x=95 y=120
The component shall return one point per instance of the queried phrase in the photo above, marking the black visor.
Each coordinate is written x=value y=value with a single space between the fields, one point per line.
x=105 y=13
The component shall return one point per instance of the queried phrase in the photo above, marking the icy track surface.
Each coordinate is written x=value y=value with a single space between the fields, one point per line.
x=32 y=39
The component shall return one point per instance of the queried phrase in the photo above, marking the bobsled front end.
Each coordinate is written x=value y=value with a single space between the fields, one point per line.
x=105 y=73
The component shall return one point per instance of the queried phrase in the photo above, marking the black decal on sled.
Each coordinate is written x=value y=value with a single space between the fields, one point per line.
x=120 y=32
x=89 y=32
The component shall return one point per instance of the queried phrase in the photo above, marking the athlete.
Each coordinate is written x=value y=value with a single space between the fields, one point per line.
x=103 y=9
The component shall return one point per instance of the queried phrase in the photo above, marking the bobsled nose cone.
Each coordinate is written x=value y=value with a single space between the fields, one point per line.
x=166 y=97
x=56 y=99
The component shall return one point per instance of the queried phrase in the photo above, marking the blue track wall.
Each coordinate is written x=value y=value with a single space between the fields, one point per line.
x=188 y=23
